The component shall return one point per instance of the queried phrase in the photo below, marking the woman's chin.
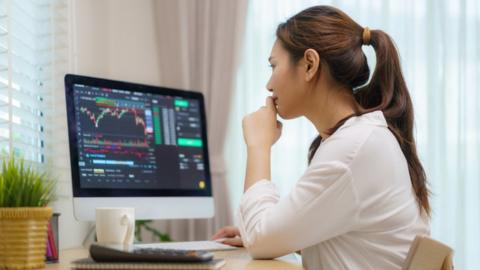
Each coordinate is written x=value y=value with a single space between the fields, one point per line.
x=287 y=114
x=284 y=115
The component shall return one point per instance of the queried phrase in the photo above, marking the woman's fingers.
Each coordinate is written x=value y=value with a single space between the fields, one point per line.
x=228 y=231
x=236 y=242
x=231 y=236
x=269 y=103
x=219 y=234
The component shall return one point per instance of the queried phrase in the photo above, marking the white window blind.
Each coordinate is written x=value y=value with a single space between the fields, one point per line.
x=32 y=49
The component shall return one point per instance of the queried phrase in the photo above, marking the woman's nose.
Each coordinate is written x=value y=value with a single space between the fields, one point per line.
x=269 y=88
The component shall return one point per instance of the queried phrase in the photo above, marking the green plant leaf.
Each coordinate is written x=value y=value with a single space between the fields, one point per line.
x=145 y=224
x=22 y=185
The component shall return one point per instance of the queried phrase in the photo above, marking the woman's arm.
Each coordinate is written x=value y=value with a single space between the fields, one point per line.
x=260 y=130
x=322 y=205
x=258 y=165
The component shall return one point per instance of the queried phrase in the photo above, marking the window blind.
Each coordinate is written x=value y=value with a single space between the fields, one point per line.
x=31 y=37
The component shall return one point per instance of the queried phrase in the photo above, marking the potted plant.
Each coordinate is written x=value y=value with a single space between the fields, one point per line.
x=24 y=215
x=146 y=225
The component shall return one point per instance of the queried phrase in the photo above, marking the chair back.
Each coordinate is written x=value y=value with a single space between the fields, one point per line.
x=428 y=254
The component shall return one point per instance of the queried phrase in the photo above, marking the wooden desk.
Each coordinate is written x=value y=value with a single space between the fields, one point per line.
x=235 y=260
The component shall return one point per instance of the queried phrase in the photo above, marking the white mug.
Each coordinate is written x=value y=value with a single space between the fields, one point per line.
x=115 y=225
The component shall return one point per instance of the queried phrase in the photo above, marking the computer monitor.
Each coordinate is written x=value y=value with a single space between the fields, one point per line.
x=135 y=145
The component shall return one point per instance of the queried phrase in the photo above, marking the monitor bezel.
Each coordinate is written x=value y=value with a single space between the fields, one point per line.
x=78 y=191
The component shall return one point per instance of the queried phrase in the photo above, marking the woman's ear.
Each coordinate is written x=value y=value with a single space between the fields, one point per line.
x=312 y=64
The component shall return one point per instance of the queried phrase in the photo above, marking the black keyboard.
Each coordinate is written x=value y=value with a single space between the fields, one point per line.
x=114 y=253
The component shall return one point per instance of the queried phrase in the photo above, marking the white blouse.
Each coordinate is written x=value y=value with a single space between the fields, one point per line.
x=354 y=208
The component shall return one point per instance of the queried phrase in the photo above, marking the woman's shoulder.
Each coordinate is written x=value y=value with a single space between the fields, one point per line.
x=345 y=144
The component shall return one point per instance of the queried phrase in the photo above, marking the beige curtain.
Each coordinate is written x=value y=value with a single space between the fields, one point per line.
x=198 y=49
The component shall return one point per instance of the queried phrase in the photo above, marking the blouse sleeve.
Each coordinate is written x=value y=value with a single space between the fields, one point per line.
x=322 y=205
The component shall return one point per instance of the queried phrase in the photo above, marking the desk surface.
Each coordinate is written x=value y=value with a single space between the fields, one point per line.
x=235 y=260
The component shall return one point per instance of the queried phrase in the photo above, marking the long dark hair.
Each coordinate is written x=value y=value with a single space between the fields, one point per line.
x=338 y=40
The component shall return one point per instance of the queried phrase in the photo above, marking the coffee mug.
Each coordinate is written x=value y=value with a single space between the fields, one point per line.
x=115 y=225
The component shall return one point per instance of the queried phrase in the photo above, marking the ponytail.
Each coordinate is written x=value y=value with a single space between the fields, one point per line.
x=388 y=92
x=338 y=40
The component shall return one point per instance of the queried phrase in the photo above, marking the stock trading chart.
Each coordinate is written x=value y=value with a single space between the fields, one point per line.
x=138 y=140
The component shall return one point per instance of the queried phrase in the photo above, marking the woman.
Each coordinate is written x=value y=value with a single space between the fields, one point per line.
x=364 y=195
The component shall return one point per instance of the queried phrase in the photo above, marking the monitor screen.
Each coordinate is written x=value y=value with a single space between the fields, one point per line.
x=130 y=139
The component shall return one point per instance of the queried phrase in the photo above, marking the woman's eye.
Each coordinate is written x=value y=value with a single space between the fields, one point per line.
x=272 y=66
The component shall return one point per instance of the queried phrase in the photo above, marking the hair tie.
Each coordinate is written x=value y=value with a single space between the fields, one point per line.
x=366 y=36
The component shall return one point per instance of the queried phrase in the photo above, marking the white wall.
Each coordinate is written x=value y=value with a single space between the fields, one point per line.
x=114 y=39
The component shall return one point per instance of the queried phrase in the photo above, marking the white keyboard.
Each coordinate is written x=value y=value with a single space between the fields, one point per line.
x=190 y=245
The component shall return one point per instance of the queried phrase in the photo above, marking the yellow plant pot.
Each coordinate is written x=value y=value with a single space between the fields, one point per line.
x=23 y=237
